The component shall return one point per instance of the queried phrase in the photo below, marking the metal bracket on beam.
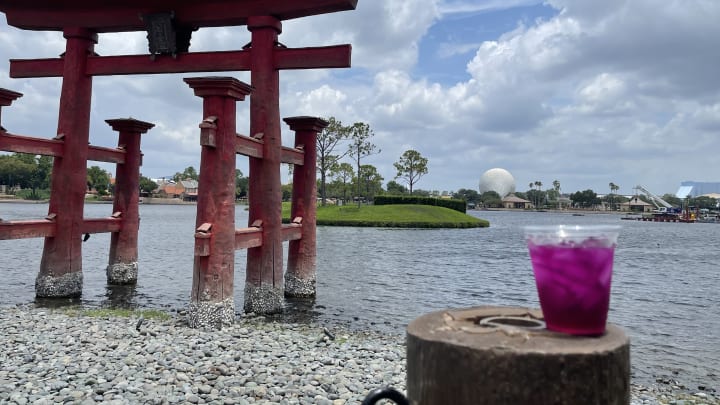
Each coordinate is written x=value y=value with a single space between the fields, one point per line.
x=257 y=223
x=51 y=216
x=297 y=220
x=116 y=214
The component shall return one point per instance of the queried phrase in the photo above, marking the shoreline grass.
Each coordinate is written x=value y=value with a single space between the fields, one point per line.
x=392 y=216
x=116 y=313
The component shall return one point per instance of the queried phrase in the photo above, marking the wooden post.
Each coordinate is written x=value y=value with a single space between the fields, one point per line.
x=264 y=279
x=122 y=265
x=6 y=98
x=487 y=355
x=212 y=303
x=302 y=253
x=61 y=265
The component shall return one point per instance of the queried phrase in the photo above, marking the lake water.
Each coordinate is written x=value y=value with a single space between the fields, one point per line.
x=665 y=292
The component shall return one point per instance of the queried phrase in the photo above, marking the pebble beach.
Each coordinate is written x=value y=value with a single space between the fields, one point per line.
x=51 y=356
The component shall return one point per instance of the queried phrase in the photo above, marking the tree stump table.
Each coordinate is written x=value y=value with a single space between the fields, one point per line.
x=504 y=355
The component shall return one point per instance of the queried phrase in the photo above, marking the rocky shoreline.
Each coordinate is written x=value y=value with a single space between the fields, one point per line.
x=50 y=356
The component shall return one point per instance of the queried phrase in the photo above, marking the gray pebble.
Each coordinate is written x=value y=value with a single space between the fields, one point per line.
x=49 y=357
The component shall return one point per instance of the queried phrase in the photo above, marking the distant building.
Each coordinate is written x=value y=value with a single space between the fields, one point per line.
x=512 y=201
x=190 y=190
x=636 y=205
x=697 y=189
x=169 y=189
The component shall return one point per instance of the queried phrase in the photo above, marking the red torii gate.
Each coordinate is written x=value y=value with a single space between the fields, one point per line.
x=169 y=25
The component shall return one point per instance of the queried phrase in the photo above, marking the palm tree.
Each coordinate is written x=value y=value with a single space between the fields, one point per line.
x=537 y=184
x=613 y=187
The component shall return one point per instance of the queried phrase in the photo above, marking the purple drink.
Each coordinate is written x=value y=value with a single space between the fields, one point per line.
x=573 y=271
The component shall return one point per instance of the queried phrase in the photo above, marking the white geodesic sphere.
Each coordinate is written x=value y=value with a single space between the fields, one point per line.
x=497 y=180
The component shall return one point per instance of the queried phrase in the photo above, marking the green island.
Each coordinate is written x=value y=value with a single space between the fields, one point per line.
x=392 y=216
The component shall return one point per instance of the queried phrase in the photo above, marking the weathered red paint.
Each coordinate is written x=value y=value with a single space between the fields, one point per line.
x=39 y=228
x=25 y=144
x=337 y=56
x=6 y=98
x=122 y=15
x=124 y=243
x=302 y=252
x=293 y=156
x=62 y=254
x=100 y=225
x=102 y=154
x=54 y=147
x=246 y=238
x=265 y=263
x=27 y=229
x=251 y=147
x=213 y=273
x=291 y=232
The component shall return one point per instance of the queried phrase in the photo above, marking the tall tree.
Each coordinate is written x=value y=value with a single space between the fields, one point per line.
x=241 y=184
x=360 y=147
x=342 y=174
x=395 y=188
x=468 y=195
x=411 y=167
x=327 y=140
x=147 y=186
x=188 y=174
x=613 y=187
x=369 y=182
x=586 y=198
x=15 y=171
x=538 y=195
x=98 y=179
x=491 y=199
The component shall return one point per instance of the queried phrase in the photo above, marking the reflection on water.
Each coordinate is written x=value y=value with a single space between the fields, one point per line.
x=56 y=302
x=664 y=289
x=121 y=296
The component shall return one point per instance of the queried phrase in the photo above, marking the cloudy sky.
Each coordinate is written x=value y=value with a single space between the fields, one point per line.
x=580 y=91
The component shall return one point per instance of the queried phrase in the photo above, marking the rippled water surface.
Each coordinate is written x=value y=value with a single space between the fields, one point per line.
x=665 y=291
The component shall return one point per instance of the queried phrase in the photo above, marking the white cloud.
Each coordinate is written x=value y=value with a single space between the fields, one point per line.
x=603 y=91
x=464 y=7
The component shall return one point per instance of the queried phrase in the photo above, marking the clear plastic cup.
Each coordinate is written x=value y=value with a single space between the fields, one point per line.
x=573 y=270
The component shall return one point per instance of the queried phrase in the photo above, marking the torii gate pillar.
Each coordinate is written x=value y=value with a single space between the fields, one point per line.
x=302 y=256
x=61 y=265
x=264 y=292
x=122 y=265
x=212 y=301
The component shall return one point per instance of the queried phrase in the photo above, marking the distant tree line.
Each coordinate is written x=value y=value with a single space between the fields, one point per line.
x=29 y=176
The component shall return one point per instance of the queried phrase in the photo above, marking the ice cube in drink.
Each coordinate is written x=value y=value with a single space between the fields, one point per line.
x=573 y=281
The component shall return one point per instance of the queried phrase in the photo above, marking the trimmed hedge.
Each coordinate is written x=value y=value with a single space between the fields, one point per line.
x=453 y=204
